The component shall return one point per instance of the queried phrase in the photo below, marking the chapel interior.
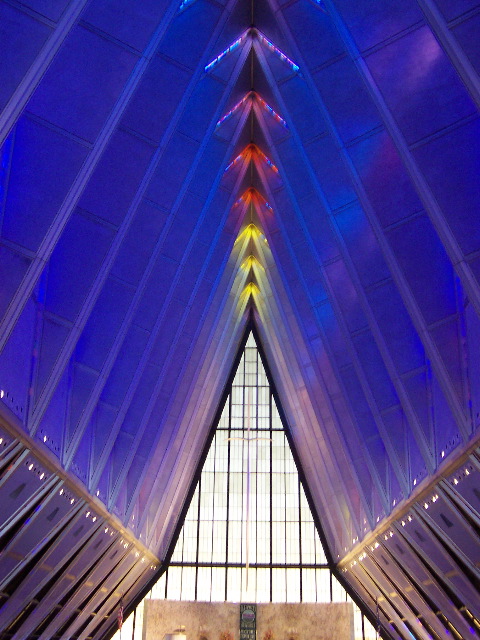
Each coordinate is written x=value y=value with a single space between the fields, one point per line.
x=240 y=317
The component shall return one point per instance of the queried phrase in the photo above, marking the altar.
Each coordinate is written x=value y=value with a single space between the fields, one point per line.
x=265 y=621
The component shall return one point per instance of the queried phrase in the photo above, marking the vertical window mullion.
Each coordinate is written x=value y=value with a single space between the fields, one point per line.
x=300 y=556
x=229 y=434
x=271 y=493
x=198 y=533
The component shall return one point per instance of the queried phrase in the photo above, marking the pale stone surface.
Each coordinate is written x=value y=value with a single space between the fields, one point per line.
x=214 y=620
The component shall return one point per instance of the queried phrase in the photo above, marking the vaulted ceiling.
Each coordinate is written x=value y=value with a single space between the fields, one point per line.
x=173 y=173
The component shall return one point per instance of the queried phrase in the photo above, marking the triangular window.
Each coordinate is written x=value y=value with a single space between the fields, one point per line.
x=249 y=534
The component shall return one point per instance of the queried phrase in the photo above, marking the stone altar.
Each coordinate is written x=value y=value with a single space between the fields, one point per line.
x=275 y=621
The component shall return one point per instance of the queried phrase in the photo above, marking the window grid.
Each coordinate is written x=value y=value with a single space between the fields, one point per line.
x=287 y=559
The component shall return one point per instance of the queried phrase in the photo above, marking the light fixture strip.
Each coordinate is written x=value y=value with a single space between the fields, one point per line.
x=284 y=58
x=228 y=50
x=235 y=108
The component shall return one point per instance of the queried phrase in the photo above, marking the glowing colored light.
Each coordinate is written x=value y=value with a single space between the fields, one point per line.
x=234 y=162
x=185 y=4
x=267 y=161
x=262 y=102
x=277 y=51
x=250 y=231
x=260 y=200
x=237 y=202
x=273 y=113
x=321 y=5
x=251 y=289
x=251 y=262
x=235 y=108
x=226 y=51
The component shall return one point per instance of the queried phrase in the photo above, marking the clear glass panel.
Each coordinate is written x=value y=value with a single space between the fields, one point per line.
x=279 y=585
x=338 y=592
x=293 y=585
x=218 y=584
x=178 y=552
x=158 y=590
x=263 y=585
x=323 y=585
x=357 y=621
x=319 y=551
x=234 y=584
x=204 y=584
x=174 y=583
x=309 y=590
x=188 y=583
x=369 y=630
